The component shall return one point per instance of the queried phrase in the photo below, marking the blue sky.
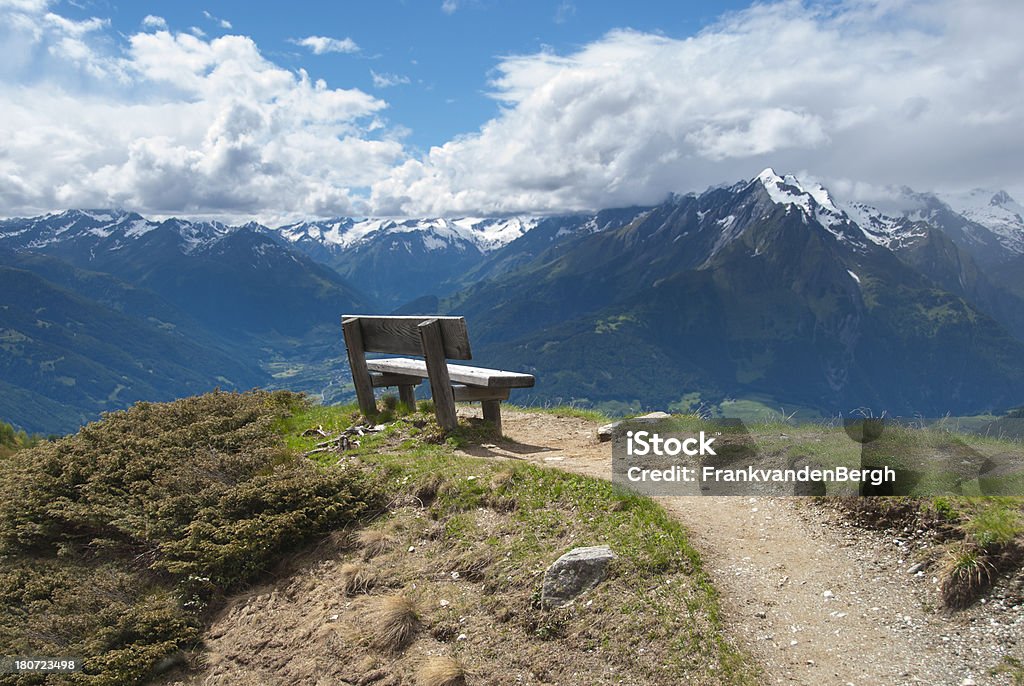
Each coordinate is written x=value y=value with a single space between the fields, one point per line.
x=475 y=107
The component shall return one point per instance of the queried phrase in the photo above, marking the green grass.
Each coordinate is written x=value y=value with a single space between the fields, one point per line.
x=992 y=522
x=1013 y=667
x=590 y=414
x=550 y=512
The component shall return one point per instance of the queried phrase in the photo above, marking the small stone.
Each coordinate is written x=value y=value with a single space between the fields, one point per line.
x=332 y=618
x=828 y=594
x=444 y=603
x=455 y=576
x=412 y=549
x=575 y=572
x=462 y=637
x=914 y=569
x=968 y=681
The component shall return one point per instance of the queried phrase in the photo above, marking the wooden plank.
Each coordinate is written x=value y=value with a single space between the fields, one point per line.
x=468 y=394
x=400 y=335
x=407 y=395
x=384 y=380
x=459 y=373
x=437 y=372
x=357 y=363
x=492 y=413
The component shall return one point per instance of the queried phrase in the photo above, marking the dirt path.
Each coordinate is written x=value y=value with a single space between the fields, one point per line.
x=813 y=599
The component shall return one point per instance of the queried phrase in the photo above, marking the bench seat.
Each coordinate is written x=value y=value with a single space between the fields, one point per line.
x=437 y=339
x=459 y=373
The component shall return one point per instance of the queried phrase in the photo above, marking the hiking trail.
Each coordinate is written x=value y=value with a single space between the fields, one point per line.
x=811 y=597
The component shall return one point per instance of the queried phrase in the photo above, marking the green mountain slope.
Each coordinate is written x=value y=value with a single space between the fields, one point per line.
x=65 y=358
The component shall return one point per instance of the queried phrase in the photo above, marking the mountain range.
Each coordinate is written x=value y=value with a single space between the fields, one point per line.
x=769 y=290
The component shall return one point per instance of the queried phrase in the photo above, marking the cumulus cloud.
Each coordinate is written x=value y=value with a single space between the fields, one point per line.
x=861 y=94
x=322 y=44
x=927 y=93
x=449 y=6
x=193 y=126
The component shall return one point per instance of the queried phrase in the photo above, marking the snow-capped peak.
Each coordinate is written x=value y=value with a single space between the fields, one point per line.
x=486 y=234
x=813 y=198
x=997 y=211
x=790 y=190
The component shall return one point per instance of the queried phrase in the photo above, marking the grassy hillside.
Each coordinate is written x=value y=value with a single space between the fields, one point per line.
x=122 y=542
x=118 y=541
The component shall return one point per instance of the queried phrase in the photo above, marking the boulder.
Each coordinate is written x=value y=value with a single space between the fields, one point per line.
x=607 y=432
x=576 y=572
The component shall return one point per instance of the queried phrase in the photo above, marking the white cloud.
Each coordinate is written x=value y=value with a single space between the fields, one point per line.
x=449 y=6
x=860 y=93
x=223 y=23
x=322 y=44
x=174 y=123
x=926 y=93
x=151 y=21
x=385 y=80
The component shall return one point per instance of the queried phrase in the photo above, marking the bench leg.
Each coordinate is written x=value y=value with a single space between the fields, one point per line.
x=407 y=395
x=492 y=413
x=437 y=372
x=357 y=363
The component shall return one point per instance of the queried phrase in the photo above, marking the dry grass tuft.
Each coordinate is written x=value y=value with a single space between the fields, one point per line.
x=498 y=499
x=391 y=623
x=374 y=542
x=427 y=489
x=964 y=573
x=441 y=671
x=473 y=565
x=502 y=480
x=356 y=579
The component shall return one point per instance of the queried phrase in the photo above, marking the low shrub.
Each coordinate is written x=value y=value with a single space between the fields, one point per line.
x=117 y=540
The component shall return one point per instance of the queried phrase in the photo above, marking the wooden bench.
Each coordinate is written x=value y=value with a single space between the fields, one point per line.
x=436 y=340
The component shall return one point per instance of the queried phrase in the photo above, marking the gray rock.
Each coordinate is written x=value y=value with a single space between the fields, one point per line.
x=576 y=572
x=607 y=432
x=914 y=569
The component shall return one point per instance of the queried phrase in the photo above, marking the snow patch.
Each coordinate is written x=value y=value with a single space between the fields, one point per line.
x=139 y=227
x=432 y=242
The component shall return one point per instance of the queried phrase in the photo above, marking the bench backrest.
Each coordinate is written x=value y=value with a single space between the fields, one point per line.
x=401 y=335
